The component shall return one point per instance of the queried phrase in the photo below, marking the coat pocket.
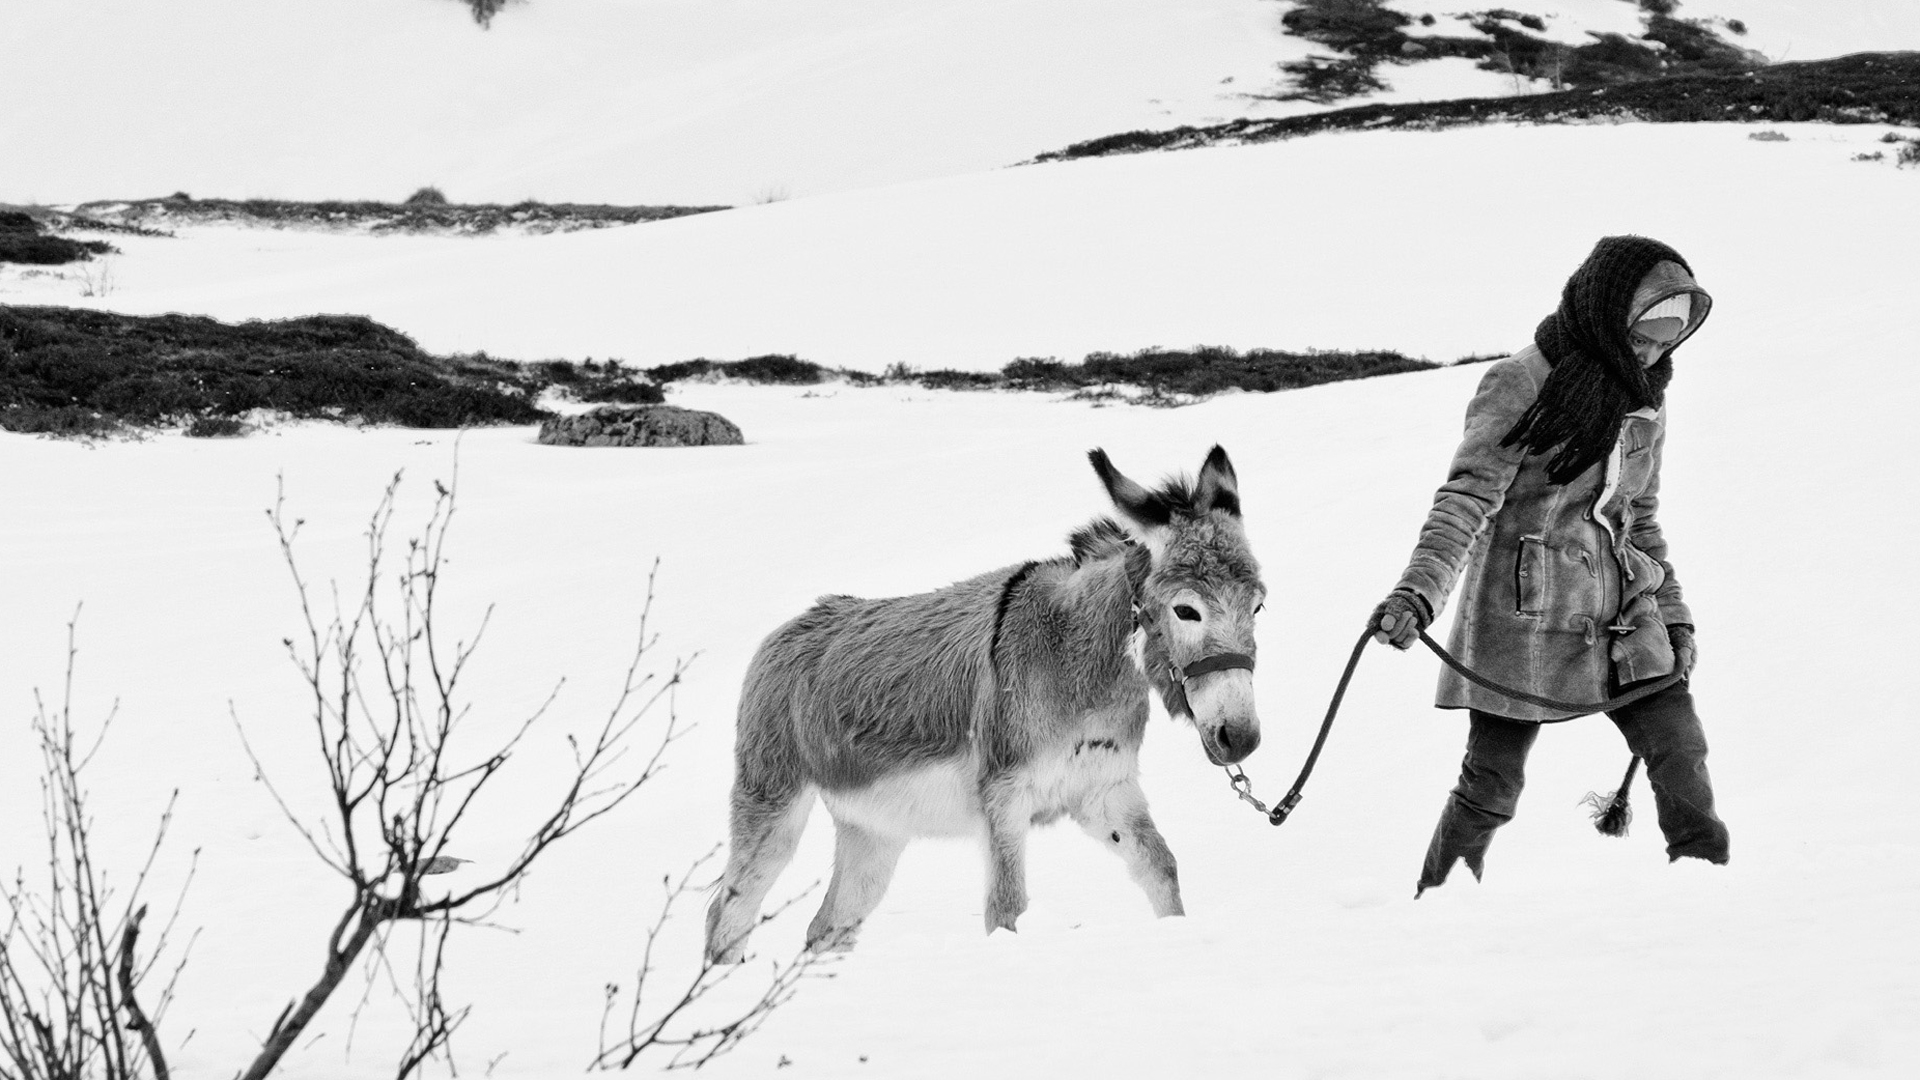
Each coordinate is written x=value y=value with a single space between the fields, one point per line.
x=1530 y=576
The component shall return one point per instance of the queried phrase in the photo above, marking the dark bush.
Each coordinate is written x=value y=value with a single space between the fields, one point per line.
x=69 y=421
x=31 y=248
x=1028 y=373
x=777 y=368
x=626 y=392
x=1864 y=88
x=1353 y=26
x=1210 y=370
x=564 y=372
x=684 y=369
x=773 y=368
x=1327 y=79
x=216 y=427
x=948 y=379
x=1693 y=44
x=427 y=196
x=162 y=369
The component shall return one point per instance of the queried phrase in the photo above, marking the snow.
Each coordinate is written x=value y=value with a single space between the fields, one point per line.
x=1305 y=954
x=1786 y=497
x=623 y=101
x=674 y=101
x=1315 y=243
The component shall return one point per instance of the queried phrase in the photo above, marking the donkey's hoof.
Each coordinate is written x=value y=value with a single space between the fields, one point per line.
x=1003 y=922
x=834 y=940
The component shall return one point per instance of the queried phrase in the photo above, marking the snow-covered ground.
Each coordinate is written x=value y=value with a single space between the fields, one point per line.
x=1788 y=479
x=1319 y=243
x=688 y=101
x=1789 y=470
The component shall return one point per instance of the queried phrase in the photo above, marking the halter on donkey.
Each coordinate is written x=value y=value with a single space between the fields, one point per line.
x=995 y=704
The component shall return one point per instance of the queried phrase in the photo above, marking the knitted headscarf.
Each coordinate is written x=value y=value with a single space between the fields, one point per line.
x=1596 y=378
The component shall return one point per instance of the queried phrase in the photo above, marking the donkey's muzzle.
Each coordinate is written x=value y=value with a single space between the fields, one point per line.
x=1223 y=710
x=1232 y=742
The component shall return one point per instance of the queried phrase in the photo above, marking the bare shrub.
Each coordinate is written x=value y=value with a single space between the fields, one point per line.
x=388 y=715
x=71 y=965
x=689 y=1043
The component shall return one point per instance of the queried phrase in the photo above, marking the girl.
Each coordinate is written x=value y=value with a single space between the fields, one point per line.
x=1549 y=511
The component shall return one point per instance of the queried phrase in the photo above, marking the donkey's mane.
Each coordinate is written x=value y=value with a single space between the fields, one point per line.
x=1098 y=539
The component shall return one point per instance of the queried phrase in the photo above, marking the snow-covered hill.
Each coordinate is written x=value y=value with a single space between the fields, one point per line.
x=688 y=101
x=1789 y=470
x=1786 y=497
x=1326 y=242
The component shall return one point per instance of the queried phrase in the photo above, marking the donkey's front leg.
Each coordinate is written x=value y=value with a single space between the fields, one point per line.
x=1118 y=819
x=1007 y=824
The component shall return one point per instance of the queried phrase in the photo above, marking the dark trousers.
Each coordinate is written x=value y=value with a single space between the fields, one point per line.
x=1663 y=729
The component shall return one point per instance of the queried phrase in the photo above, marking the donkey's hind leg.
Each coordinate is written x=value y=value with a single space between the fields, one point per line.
x=765 y=832
x=863 y=864
x=1118 y=818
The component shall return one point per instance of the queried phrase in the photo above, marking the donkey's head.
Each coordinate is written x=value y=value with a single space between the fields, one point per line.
x=1197 y=604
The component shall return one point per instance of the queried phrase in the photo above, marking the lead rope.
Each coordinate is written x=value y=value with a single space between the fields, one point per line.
x=1610 y=812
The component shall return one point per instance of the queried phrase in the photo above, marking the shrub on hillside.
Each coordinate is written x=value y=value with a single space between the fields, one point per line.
x=216 y=427
x=773 y=368
x=1211 y=370
x=1028 y=373
x=427 y=196
x=163 y=369
x=1324 y=80
x=1864 y=88
x=624 y=393
x=949 y=379
x=22 y=240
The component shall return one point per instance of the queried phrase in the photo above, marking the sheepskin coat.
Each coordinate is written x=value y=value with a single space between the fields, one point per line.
x=1567 y=590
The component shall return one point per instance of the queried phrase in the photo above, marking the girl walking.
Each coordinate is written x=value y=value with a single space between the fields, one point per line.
x=1548 y=514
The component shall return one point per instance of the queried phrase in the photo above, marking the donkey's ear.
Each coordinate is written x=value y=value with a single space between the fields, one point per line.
x=1143 y=510
x=1218 y=489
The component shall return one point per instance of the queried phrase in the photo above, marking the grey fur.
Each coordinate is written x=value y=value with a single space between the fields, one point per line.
x=999 y=702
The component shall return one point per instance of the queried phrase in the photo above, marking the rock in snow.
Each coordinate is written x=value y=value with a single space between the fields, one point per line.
x=641 y=425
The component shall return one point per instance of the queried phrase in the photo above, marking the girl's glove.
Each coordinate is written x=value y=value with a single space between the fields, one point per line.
x=1685 y=653
x=1399 y=619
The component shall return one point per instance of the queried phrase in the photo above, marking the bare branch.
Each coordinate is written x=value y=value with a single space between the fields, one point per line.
x=697 y=1045
x=388 y=716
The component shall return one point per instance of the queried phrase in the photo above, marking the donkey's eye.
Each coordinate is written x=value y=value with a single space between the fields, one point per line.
x=1186 y=612
x=1258 y=608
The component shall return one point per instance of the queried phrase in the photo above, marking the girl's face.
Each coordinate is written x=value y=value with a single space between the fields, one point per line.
x=1650 y=338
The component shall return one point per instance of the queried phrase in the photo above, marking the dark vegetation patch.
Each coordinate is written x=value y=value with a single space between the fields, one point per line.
x=74 y=372
x=1907 y=154
x=1172 y=376
x=216 y=427
x=24 y=239
x=597 y=381
x=71 y=371
x=1864 y=88
x=1365 y=35
x=1207 y=370
x=778 y=368
x=426 y=210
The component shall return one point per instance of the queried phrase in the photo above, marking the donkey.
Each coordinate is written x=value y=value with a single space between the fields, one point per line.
x=995 y=704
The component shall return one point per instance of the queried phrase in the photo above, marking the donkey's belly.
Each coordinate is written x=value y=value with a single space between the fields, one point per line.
x=941 y=798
